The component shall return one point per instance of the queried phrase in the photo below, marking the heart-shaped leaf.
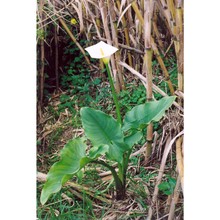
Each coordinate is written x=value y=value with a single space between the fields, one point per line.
x=146 y=113
x=73 y=158
x=103 y=129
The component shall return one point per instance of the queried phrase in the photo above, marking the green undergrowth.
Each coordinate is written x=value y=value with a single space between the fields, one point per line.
x=58 y=208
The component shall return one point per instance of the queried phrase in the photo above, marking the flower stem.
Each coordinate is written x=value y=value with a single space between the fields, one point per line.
x=114 y=94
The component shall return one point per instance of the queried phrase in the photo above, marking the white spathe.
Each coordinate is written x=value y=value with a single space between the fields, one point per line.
x=101 y=50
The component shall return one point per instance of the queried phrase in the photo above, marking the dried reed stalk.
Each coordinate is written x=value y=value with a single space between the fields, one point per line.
x=124 y=24
x=179 y=159
x=125 y=47
x=175 y=197
x=130 y=21
x=79 y=10
x=137 y=12
x=114 y=30
x=180 y=49
x=103 y=11
x=147 y=68
x=139 y=35
x=98 y=23
x=68 y=199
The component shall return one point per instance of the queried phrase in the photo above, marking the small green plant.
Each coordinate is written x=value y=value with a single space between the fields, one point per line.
x=167 y=187
x=67 y=102
x=109 y=138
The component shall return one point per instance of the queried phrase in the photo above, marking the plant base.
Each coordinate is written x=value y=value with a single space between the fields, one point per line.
x=120 y=194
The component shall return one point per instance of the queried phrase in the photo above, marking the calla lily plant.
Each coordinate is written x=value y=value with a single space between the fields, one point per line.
x=110 y=138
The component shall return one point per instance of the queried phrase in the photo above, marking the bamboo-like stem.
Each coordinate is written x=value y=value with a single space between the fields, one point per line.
x=82 y=11
x=74 y=39
x=114 y=95
x=109 y=41
x=179 y=159
x=147 y=66
x=115 y=42
x=124 y=23
x=180 y=49
x=147 y=70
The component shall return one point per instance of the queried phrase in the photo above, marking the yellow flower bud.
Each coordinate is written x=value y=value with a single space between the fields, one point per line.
x=73 y=21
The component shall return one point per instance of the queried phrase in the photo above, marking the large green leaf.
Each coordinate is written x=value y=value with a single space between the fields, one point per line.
x=145 y=113
x=103 y=129
x=73 y=158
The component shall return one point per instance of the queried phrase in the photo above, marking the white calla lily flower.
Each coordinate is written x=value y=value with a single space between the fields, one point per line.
x=102 y=51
